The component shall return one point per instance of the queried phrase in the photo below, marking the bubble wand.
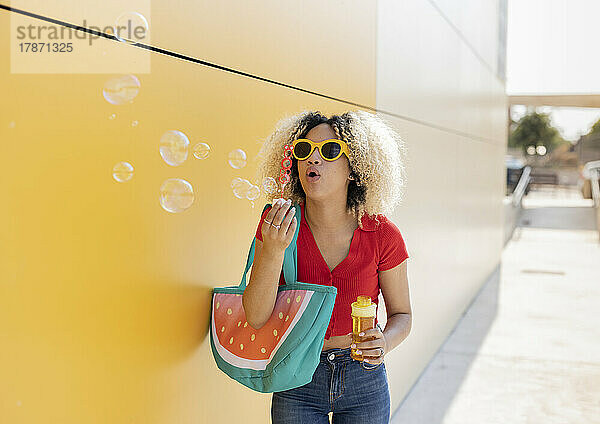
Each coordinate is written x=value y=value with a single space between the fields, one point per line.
x=286 y=166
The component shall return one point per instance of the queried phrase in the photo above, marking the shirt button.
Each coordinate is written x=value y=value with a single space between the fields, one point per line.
x=331 y=356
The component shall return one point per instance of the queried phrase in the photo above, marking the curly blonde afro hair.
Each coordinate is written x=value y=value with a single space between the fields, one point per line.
x=377 y=159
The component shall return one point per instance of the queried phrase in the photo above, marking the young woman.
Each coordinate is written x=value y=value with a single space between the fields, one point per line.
x=347 y=173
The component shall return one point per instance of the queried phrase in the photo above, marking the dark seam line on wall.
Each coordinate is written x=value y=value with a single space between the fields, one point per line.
x=464 y=39
x=223 y=68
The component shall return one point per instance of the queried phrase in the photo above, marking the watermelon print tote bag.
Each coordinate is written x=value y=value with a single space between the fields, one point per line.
x=284 y=353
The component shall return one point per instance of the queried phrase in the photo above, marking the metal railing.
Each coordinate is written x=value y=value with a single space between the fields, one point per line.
x=521 y=186
x=591 y=171
x=594 y=175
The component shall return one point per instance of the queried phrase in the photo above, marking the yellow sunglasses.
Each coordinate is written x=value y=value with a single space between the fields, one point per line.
x=330 y=149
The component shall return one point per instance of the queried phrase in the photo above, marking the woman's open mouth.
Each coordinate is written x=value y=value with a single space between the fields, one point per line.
x=312 y=177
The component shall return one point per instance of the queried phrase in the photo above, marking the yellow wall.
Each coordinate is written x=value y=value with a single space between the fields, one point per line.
x=104 y=296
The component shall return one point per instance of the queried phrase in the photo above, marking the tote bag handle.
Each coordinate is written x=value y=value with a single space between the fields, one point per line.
x=290 y=259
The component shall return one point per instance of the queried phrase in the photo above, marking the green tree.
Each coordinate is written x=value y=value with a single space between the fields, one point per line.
x=595 y=128
x=535 y=129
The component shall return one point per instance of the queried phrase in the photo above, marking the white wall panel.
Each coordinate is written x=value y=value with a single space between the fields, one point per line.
x=476 y=21
x=453 y=110
x=427 y=73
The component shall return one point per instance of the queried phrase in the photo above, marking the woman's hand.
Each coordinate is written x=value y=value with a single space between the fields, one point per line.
x=373 y=351
x=280 y=214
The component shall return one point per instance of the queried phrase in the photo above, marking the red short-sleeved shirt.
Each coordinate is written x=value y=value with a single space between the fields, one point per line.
x=376 y=247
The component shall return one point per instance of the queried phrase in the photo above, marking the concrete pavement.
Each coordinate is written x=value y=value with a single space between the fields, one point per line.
x=527 y=350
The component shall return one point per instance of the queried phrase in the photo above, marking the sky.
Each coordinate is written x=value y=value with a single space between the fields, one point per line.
x=552 y=49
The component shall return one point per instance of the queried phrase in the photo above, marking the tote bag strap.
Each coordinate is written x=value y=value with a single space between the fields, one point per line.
x=290 y=259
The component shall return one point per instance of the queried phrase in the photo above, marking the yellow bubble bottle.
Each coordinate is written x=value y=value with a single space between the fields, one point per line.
x=363 y=318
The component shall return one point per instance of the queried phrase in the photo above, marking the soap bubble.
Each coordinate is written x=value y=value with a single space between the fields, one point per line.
x=240 y=187
x=112 y=116
x=134 y=123
x=201 y=151
x=174 y=147
x=130 y=27
x=176 y=195
x=253 y=192
x=122 y=171
x=235 y=181
x=237 y=158
x=121 y=90
x=269 y=185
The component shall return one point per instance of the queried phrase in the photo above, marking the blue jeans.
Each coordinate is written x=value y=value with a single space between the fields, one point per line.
x=357 y=392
